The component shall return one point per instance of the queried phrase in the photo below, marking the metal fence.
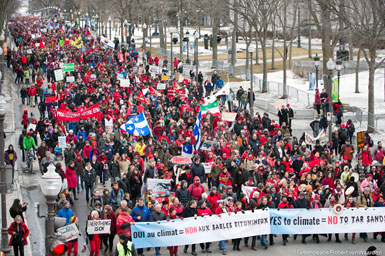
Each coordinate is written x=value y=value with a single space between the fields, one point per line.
x=361 y=116
x=278 y=89
x=188 y=67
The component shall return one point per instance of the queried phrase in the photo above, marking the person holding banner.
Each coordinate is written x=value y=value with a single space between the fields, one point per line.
x=73 y=244
x=108 y=239
x=203 y=210
x=304 y=203
x=141 y=214
x=190 y=211
x=157 y=216
x=94 y=239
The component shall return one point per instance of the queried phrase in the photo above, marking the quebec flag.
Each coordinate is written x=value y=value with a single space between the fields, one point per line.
x=137 y=125
x=187 y=150
x=197 y=132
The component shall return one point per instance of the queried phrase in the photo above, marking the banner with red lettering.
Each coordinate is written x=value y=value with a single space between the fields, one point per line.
x=50 y=99
x=204 y=229
x=75 y=116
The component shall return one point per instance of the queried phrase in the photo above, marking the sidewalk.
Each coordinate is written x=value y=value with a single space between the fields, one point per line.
x=11 y=92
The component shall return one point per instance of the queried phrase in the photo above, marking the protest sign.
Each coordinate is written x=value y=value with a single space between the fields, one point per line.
x=161 y=86
x=120 y=76
x=50 y=99
x=164 y=78
x=31 y=126
x=98 y=227
x=58 y=74
x=207 y=167
x=70 y=79
x=247 y=190
x=109 y=124
x=124 y=83
x=154 y=69
x=207 y=145
x=75 y=116
x=135 y=69
x=62 y=141
x=69 y=232
x=229 y=116
x=68 y=67
x=93 y=76
x=159 y=187
x=326 y=221
x=202 y=230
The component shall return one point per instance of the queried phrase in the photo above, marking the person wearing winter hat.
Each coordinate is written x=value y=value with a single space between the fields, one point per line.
x=203 y=210
x=125 y=247
x=73 y=244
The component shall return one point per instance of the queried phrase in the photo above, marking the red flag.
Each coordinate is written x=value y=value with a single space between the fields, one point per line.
x=88 y=33
x=66 y=42
x=142 y=98
x=153 y=91
x=41 y=44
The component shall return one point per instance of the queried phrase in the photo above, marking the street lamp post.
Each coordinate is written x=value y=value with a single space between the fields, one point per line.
x=3 y=185
x=186 y=39
x=299 y=28
x=109 y=21
x=125 y=30
x=316 y=64
x=339 y=68
x=149 y=27
x=50 y=186
x=251 y=50
x=330 y=66
x=144 y=40
x=196 y=35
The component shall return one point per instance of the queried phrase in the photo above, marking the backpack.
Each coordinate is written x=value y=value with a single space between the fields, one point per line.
x=351 y=129
x=343 y=134
x=371 y=143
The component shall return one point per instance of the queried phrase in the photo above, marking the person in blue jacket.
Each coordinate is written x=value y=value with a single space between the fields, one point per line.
x=141 y=213
x=66 y=212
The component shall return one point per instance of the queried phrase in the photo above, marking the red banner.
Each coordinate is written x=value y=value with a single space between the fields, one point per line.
x=75 y=116
x=50 y=99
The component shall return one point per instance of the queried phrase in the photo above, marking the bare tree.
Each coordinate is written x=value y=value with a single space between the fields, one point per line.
x=282 y=11
x=366 y=21
x=258 y=13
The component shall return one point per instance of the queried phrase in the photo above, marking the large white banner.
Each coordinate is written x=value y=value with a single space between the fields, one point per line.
x=201 y=230
x=325 y=221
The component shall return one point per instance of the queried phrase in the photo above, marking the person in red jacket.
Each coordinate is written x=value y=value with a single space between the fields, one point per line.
x=172 y=216
x=366 y=156
x=24 y=122
x=19 y=233
x=203 y=210
x=196 y=189
x=213 y=198
x=225 y=178
x=32 y=94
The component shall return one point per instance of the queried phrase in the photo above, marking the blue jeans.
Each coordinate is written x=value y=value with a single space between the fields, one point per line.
x=79 y=182
x=89 y=192
x=104 y=177
x=157 y=250
x=222 y=245
x=263 y=240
